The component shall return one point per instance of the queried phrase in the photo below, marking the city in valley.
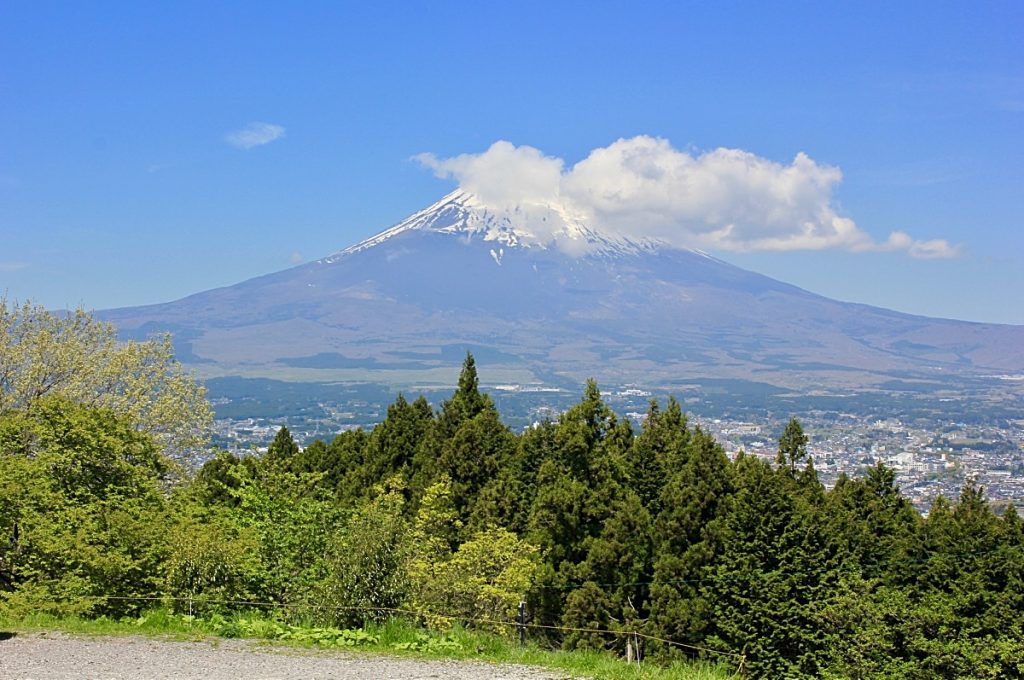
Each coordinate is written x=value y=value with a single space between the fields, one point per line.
x=935 y=446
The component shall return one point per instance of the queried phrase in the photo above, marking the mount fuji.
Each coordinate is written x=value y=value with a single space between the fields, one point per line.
x=541 y=298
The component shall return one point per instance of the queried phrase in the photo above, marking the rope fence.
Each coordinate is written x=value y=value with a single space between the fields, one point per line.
x=519 y=625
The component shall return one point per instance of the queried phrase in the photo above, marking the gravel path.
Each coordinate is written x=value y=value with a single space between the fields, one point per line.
x=51 y=655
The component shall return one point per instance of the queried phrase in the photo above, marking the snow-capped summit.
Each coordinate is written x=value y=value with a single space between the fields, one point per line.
x=515 y=226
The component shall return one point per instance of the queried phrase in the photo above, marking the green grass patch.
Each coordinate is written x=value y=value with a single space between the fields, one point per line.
x=395 y=637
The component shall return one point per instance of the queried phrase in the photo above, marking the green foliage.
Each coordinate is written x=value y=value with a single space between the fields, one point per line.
x=81 y=512
x=294 y=529
x=219 y=480
x=270 y=629
x=213 y=562
x=452 y=519
x=282 y=450
x=474 y=455
x=428 y=644
x=792 y=446
x=466 y=403
x=364 y=575
x=481 y=581
x=690 y=532
x=79 y=358
x=775 y=569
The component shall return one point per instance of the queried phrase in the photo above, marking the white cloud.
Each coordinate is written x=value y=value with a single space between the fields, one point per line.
x=254 y=134
x=935 y=249
x=11 y=266
x=504 y=175
x=296 y=257
x=643 y=188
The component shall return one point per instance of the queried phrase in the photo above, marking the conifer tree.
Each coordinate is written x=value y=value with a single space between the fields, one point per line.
x=282 y=450
x=692 y=501
x=871 y=522
x=619 y=564
x=394 y=446
x=466 y=402
x=217 y=482
x=792 y=446
x=774 y=572
x=474 y=456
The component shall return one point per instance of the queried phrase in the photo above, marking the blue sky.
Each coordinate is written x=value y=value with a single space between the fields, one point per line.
x=120 y=182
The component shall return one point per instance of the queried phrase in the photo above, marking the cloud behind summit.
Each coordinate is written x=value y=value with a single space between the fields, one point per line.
x=643 y=188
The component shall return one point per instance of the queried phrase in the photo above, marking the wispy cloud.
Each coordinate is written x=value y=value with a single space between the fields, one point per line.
x=254 y=134
x=643 y=188
x=296 y=257
x=11 y=266
x=934 y=249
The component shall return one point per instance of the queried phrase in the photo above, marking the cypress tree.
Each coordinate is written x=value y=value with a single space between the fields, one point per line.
x=687 y=538
x=774 y=573
x=465 y=403
x=282 y=449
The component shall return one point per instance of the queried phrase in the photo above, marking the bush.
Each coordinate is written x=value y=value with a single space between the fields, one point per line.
x=365 y=576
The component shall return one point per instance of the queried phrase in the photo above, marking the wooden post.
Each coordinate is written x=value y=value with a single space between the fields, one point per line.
x=521 y=624
x=629 y=650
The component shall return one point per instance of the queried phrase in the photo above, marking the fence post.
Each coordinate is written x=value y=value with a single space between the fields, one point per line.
x=521 y=623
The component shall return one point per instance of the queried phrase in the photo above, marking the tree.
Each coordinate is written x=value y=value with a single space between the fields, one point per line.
x=792 y=445
x=774 y=572
x=218 y=481
x=473 y=456
x=466 y=402
x=80 y=358
x=395 y=442
x=365 y=576
x=484 y=578
x=282 y=450
x=618 y=565
x=82 y=513
x=688 y=535
x=658 y=451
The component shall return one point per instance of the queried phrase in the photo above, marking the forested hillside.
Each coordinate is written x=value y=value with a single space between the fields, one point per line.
x=445 y=515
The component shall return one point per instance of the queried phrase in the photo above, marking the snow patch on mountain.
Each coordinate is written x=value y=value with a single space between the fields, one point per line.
x=462 y=214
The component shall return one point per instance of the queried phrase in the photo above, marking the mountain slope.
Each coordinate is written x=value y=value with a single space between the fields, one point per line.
x=403 y=306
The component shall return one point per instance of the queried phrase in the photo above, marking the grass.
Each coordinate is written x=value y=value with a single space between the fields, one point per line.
x=395 y=638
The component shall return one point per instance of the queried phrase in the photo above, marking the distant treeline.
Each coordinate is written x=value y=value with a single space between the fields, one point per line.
x=449 y=514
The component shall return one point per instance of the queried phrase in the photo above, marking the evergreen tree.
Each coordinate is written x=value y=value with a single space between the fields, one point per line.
x=687 y=530
x=282 y=450
x=394 y=447
x=792 y=446
x=218 y=481
x=870 y=522
x=774 y=572
x=467 y=401
x=473 y=456
x=342 y=465
x=576 y=494
x=618 y=565
x=507 y=499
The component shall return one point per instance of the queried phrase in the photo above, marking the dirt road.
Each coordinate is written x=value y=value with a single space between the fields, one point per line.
x=52 y=656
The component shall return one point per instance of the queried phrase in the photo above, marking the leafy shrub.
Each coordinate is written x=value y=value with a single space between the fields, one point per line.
x=482 y=581
x=365 y=575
